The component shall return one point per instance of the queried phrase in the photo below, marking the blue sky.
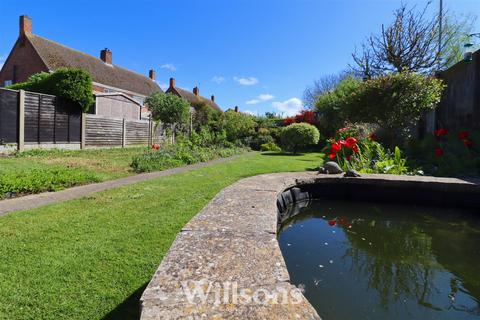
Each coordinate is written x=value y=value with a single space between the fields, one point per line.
x=257 y=54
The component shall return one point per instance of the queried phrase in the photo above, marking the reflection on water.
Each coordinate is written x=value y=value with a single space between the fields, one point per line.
x=378 y=261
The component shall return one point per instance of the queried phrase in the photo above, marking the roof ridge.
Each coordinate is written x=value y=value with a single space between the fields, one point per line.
x=82 y=53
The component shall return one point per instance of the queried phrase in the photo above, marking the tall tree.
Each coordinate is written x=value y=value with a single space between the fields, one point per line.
x=410 y=43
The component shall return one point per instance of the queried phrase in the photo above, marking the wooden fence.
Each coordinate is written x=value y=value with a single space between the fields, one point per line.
x=33 y=119
x=106 y=132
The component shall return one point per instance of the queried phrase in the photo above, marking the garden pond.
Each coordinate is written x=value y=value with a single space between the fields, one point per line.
x=365 y=260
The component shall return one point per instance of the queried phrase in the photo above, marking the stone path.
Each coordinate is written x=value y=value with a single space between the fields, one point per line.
x=41 y=199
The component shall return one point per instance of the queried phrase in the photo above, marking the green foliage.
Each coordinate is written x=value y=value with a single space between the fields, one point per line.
x=42 y=179
x=205 y=115
x=331 y=105
x=270 y=146
x=395 y=101
x=237 y=125
x=199 y=147
x=457 y=159
x=372 y=157
x=168 y=108
x=297 y=136
x=72 y=84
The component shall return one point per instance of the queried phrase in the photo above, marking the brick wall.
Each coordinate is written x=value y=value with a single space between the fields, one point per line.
x=24 y=60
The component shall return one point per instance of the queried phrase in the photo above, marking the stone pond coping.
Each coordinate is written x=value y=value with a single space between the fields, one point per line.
x=233 y=240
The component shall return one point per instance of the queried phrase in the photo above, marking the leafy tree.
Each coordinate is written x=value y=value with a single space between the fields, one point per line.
x=410 y=43
x=237 y=125
x=297 y=136
x=72 y=84
x=169 y=109
x=395 y=101
x=330 y=105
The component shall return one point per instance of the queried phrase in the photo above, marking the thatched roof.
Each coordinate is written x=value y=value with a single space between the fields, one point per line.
x=55 y=56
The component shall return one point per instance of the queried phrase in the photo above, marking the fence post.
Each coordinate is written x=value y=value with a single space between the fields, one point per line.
x=83 y=129
x=124 y=133
x=151 y=139
x=21 y=121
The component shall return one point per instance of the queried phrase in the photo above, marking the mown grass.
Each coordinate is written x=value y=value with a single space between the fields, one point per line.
x=39 y=170
x=91 y=258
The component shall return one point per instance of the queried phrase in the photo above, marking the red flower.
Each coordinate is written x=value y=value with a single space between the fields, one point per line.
x=342 y=142
x=468 y=143
x=332 y=223
x=438 y=152
x=373 y=137
x=336 y=147
x=155 y=146
x=349 y=157
x=355 y=149
x=441 y=132
x=288 y=121
x=332 y=156
x=350 y=142
x=463 y=135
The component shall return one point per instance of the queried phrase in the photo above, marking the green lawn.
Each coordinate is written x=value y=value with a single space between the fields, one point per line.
x=92 y=258
x=51 y=170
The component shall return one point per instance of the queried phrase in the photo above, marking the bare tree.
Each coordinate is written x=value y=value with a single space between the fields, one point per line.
x=321 y=86
x=410 y=43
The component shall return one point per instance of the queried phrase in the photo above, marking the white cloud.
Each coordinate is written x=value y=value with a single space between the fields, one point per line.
x=261 y=98
x=265 y=97
x=218 y=79
x=289 y=107
x=168 y=66
x=246 y=81
x=163 y=85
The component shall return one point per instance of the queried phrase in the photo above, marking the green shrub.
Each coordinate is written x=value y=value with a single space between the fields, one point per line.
x=69 y=83
x=260 y=139
x=297 y=136
x=270 y=146
x=237 y=125
x=40 y=180
x=395 y=101
x=184 y=152
x=459 y=155
x=331 y=106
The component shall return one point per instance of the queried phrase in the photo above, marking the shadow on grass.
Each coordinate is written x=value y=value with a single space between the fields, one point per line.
x=129 y=308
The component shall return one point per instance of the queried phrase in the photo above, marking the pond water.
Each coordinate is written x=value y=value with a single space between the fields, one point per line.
x=360 y=260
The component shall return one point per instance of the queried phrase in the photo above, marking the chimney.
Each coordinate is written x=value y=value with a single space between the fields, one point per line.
x=195 y=91
x=212 y=98
x=236 y=108
x=172 y=83
x=106 y=56
x=151 y=74
x=25 y=25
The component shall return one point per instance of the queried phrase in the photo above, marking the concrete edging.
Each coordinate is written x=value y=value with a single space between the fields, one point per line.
x=233 y=240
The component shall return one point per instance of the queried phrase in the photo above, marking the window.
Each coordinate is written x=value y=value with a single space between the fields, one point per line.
x=7 y=83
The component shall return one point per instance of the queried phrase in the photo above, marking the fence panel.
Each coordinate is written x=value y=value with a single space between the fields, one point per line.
x=137 y=132
x=103 y=132
x=8 y=116
x=32 y=103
